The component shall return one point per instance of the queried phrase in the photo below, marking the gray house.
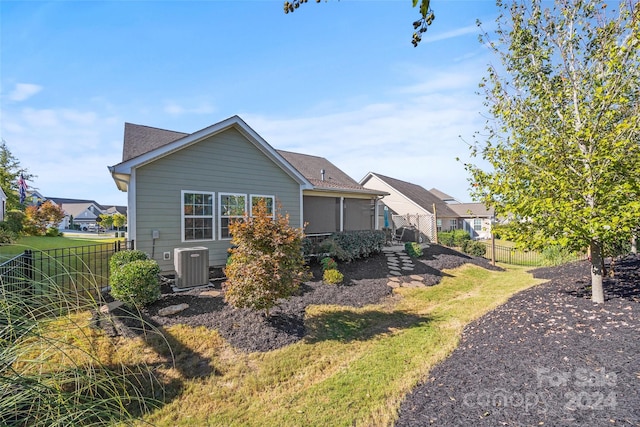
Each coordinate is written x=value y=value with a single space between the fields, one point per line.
x=184 y=189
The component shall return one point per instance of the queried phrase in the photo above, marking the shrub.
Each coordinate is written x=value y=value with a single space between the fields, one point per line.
x=556 y=255
x=413 y=249
x=125 y=257
x=14 y=221
x=136 y=283
x=332 y=277
x=53 y=232
x=349 y=245
x=453 y=238
x=474 y=248
x=266 y=263
x=328 y=263
x=7 y=236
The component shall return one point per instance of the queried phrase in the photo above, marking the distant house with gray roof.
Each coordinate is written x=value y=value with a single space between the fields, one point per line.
x=430 y=210
x=184 y=189
x=413 y=205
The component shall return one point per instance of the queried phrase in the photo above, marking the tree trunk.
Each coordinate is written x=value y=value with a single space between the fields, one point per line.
x=597 y=263
x=634 y=244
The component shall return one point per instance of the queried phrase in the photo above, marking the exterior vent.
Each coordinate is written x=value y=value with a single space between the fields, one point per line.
x=192 y=266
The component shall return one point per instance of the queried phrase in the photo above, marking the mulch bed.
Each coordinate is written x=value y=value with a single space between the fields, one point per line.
x=365 y=282
x=549 y=356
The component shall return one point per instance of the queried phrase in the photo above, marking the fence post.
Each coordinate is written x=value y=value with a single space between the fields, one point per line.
x=28 y=264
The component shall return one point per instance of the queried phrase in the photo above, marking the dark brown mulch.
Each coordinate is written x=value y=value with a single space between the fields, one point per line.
x=365 y=282
x=549 y=356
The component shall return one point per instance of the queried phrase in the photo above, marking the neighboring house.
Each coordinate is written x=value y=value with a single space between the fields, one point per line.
x=185 y=189
x=411 y=204
x=82 y=214
x=450 y=200
x=476 y=219
x=3 y=207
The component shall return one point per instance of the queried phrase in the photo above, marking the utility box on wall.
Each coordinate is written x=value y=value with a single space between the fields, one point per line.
x=192 y=266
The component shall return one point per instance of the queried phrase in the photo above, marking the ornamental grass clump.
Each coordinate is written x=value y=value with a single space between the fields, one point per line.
x=266 y=261
x=58 y=371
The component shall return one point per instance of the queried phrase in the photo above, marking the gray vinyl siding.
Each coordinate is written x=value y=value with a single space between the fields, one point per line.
x=223 y=163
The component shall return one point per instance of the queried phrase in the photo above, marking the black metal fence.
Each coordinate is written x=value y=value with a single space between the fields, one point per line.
x=510 y=255
x=77 y=270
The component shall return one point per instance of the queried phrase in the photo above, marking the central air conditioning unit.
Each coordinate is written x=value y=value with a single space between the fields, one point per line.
x=192 y=266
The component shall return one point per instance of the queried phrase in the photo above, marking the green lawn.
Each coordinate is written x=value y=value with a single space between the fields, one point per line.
x=44 y=243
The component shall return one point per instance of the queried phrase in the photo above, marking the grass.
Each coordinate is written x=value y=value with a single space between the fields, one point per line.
x=43 y=243
x=354 y=367
x=56 y=370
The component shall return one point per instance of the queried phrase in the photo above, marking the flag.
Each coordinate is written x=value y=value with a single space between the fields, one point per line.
x=22 y=188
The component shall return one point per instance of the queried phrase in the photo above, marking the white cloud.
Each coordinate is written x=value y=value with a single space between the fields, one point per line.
x=68 y=150
x=414 y=135
x=463 y=31
x=23 y=91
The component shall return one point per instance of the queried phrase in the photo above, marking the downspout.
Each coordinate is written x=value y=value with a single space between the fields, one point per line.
x=341 y=213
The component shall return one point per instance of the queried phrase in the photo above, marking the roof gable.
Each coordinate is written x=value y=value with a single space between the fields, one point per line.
x=417 y=194
x=121 y=172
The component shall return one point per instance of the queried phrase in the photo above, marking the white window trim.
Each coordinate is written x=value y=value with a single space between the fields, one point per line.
x=220 y=195
x=273 y=203
x=212 y=216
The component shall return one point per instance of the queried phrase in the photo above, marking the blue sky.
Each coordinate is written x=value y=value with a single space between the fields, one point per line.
x=338 y=79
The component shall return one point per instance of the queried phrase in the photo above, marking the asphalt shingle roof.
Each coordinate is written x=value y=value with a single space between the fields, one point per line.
x=311 y=167
x=419 y=195
x=139 y=139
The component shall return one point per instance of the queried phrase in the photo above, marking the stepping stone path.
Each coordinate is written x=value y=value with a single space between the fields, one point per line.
x=399 y=264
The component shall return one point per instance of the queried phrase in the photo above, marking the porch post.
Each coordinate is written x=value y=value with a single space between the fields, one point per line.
x=375 y=214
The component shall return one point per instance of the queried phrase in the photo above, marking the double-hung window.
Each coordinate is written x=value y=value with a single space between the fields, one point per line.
x=269 y=201
x=197 y=215
x=477 y=224
x=232 y=208
x=453 y=224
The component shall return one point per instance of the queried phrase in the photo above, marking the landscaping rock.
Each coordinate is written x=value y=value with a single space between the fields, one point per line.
x=172 y=309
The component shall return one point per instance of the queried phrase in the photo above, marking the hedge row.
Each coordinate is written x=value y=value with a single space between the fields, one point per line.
x=347 y=246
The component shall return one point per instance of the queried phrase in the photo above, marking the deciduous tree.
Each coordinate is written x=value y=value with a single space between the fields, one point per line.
x=419 y=27
x=564 y=137
x=266 y=261
x=39 y=218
